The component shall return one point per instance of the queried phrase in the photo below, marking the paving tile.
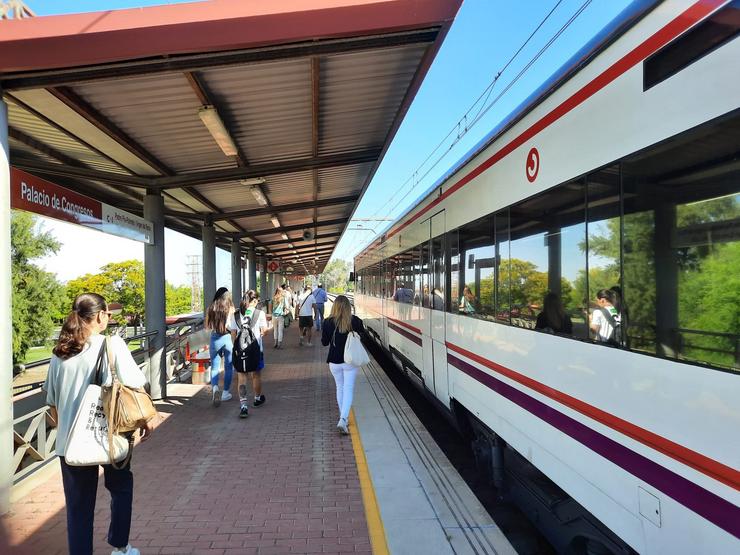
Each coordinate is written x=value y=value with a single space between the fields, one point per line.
x=281 y=481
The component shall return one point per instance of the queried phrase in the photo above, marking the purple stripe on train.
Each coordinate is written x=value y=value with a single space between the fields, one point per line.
x=703 y=502
x=406 y=334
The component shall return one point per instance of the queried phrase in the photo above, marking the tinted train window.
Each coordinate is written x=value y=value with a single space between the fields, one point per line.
x=477 y=254
x=682 y=246
x=699 y=41
x=438 y=288
x=503 y=272
x=454 y=269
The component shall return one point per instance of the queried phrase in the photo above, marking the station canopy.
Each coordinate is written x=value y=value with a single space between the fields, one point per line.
x=267 y=119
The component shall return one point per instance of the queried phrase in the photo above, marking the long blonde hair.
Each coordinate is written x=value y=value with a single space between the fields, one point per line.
x=341 y=312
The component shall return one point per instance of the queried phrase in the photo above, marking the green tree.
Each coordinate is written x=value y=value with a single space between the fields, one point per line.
x=37 y=295
x=178 y=300
x=121 y=282
x=335 y=276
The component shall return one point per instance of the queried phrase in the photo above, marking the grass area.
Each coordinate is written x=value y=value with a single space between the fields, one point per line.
x=43 y=352
x=38 y=353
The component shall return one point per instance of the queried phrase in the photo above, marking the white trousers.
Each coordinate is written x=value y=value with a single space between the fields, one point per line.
x=278 y=327
x=344 y=376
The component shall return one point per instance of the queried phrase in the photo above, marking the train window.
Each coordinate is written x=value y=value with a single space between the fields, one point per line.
x=425 y=275
x=682 y=246
x=716 y=30
x=438 y=273
x=503 y=273
x=477 y=254
x=604 y=247
x=454 y=270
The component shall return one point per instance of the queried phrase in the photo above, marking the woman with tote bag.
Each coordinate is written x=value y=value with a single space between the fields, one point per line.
x=334 y=333
x=71 y=371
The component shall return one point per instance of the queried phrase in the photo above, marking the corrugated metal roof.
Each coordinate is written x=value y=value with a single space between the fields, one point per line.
x=310 y=114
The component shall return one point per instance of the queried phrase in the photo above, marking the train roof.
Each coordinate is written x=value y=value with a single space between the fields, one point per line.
x=624 y=21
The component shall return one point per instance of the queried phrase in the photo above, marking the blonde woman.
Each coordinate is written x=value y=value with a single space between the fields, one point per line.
x=334 y=334
x=279 y=309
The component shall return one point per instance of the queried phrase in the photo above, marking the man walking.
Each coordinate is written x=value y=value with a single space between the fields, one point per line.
x=306 y=306
x=320 y=298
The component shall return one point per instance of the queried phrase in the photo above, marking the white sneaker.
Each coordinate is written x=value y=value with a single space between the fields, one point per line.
x=216 y=396
x=342 y=426
x=300 y=342
x=226 y=396
x=309 y=344
x=128 y=550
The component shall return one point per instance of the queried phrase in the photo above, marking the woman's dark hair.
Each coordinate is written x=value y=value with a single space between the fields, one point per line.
x=554 y=311
x=618 y=301
x=607 y=294
x=218 y=313
x=220 y=292
x=248 y=297
x=76 y=328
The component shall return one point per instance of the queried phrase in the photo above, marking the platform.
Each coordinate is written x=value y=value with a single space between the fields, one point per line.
x=283 y=480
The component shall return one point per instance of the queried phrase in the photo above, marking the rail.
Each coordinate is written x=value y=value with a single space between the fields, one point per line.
x=34 y=433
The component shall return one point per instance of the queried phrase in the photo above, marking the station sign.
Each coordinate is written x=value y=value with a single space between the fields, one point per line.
x=37 y=195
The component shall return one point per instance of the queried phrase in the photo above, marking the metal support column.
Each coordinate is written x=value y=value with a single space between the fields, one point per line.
x=6 y=322
x=252 y=269
x=209 y=264
x=236 y=271
x=264 y=294
x=154 y=295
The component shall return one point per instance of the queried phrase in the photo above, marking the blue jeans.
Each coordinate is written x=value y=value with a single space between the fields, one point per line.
x=319 y=315
x=221 y=347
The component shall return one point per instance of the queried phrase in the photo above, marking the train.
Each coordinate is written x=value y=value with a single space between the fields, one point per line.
x=619 y=174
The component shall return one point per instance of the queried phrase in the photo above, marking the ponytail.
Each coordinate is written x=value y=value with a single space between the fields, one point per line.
x=76 y=328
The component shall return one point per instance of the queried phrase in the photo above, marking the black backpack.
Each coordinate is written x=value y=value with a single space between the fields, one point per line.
x=616 y=336
x=246 y=348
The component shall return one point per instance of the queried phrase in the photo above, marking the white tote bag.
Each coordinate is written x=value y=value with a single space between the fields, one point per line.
x=87 y=442
x=354 y=353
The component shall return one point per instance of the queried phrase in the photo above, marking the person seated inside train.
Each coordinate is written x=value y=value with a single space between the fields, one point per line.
x=553 y=318
x=468 y=302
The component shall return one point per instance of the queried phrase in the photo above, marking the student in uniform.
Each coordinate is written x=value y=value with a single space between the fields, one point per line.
x=248 y=309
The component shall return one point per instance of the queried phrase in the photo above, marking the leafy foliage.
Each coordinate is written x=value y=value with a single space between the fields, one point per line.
x=335 y=276
x=178 y=300
x=38 y=297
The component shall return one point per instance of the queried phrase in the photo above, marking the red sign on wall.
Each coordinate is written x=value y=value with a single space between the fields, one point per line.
x=33 y=194
x=37 y=195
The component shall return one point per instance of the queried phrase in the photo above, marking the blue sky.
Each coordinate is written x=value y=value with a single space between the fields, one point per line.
x=485 y=35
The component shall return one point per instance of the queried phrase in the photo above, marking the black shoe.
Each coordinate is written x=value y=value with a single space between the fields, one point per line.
x=244 y=411
x=259 y=400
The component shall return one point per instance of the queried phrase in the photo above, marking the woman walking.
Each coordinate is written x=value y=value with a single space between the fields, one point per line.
x=217 y=320
x=71 y=370
x=250 y=313
x=279 y=310
x=334 y=333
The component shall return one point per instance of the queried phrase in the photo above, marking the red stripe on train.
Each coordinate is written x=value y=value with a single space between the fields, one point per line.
x=660 y=38
x=714 y=469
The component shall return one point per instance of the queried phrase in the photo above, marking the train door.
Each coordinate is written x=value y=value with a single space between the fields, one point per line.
x=384 y=297
x=438 y=313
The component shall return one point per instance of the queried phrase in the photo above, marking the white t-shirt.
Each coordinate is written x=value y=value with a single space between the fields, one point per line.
x=306 y=307
x=258 y=326
x=68 y=379
x=605 y=328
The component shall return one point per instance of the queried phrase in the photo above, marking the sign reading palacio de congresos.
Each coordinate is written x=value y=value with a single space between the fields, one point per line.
x=37 y=195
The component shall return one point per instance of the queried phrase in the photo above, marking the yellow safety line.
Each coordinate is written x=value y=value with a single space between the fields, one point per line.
x=372 y=511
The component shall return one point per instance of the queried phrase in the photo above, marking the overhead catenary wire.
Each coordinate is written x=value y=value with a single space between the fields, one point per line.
x=484 y=107
x=485 y=93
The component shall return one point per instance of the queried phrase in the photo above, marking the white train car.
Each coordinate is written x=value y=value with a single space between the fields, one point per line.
x=622 y=170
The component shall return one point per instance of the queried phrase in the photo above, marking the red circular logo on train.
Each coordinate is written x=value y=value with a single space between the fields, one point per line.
x=533 y=164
